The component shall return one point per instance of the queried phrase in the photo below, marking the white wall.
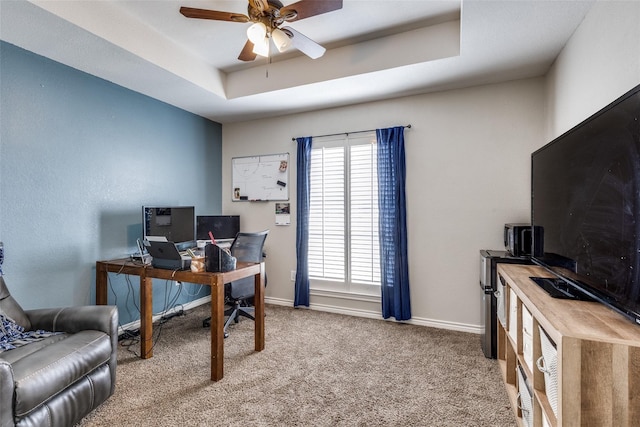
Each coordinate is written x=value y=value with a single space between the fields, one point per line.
x=600 y=62
x=468 y=155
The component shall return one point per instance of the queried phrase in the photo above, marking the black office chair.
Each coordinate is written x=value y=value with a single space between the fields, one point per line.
x=246 y=247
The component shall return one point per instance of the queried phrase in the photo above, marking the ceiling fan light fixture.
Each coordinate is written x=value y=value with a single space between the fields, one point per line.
x=280 y=39
x=257 y=33
x=261 y=47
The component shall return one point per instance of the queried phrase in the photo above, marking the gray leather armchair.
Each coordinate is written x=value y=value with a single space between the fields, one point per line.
x=59 y=379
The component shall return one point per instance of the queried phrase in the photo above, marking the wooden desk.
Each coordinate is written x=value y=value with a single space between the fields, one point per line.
x=215 y=280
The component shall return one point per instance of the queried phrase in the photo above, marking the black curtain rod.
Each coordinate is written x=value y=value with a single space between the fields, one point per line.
x=348 y=133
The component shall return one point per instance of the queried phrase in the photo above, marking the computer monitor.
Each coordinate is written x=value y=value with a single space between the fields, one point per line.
x=221 y=226
x=176 y=223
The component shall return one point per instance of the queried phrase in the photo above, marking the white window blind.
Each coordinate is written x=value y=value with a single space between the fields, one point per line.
x=327 y=213
x=364 y=243
x=343 y=218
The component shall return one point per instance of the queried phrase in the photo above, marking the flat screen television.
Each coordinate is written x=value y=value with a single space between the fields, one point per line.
x=176 y=223
x=585 y=199
x=221 y=226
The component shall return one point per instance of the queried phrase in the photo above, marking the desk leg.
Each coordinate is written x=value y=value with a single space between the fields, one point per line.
x=146 y=317
x=101 y=284
x=217 y=329
x=259 y=308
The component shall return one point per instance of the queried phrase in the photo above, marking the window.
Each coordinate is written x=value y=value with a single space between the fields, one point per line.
x=344 y=251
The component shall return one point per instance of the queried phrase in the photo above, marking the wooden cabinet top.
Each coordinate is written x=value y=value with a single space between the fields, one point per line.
x=568 y=318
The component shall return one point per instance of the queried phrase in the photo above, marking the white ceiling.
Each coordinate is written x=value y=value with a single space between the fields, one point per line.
x=376 y=49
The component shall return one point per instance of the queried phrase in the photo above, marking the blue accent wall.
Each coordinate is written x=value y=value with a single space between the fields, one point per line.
x=79 y=156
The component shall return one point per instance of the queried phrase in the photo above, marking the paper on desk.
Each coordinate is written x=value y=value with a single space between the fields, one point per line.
x=157 y=239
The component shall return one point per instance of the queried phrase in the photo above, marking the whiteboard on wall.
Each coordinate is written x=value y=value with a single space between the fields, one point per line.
x=260 y=178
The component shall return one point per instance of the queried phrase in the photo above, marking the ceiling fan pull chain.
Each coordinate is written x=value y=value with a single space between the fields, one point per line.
x=266 y=69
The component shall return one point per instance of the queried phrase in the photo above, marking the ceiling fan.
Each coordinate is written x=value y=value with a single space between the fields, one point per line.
x=268 y=17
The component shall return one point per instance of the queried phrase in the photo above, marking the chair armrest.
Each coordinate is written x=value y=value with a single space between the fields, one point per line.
x=74 y=319
x=71 y=320
x=6 y=394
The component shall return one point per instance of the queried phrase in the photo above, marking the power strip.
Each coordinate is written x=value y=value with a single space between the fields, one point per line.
x=129 y=334
x=145 y=259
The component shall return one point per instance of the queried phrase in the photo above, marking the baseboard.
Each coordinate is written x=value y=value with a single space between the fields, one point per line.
x=432 y=323
x=193 y=304
x=453 y=326
x=460 y=327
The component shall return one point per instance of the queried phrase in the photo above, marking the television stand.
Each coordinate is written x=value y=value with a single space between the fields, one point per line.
x=558 y=288
x=589 y=373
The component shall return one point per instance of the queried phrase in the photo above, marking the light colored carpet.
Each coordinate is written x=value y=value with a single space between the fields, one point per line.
x=318 y=369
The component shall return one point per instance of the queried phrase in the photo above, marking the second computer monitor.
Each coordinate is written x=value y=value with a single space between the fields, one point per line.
x=221 y=226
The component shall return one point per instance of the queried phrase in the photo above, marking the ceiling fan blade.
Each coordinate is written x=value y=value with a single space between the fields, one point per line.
x=304 y=44
x=191 y=12
x=306 y=8
x=247 y=53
